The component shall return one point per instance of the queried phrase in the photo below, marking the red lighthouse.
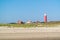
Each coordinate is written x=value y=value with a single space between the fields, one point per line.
x=45 y=17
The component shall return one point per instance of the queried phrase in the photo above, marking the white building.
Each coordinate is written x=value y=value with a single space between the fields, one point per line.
x=29 y=21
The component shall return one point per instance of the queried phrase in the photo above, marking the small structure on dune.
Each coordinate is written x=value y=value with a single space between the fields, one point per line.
x=29 y=21
x=37 y=22
x=19 y=22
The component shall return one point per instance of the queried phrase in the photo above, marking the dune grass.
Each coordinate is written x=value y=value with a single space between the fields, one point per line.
x=49 y=24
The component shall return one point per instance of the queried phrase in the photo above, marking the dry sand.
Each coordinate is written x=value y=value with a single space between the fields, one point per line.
x=41 y=33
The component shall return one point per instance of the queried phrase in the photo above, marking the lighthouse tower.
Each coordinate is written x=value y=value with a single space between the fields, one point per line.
x=45 y=17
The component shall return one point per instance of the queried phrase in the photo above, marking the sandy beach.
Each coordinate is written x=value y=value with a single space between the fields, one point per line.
x=41 y=33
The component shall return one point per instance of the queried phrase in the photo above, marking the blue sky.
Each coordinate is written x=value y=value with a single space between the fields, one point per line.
x=13 y=10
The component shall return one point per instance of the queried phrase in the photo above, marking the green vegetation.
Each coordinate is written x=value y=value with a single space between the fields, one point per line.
x=19 y=25
x=42 y=24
